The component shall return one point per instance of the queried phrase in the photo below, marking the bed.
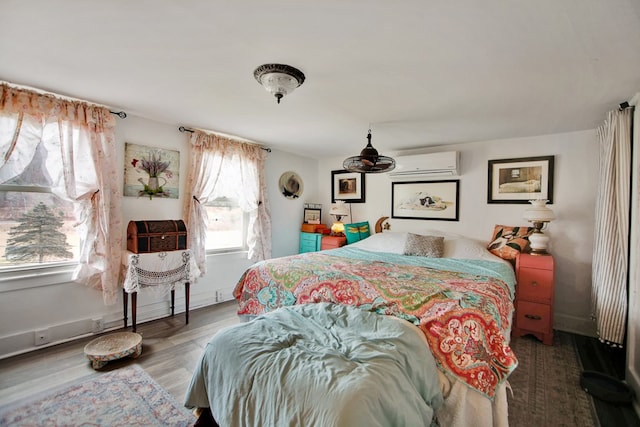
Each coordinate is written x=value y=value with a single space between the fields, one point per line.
x=456 y=303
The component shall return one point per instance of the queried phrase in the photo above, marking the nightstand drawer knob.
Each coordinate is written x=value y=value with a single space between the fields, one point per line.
x=534 y=283
x=533 y=316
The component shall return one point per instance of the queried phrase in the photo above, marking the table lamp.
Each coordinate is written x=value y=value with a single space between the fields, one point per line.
x=339 y=210
x=538 y=214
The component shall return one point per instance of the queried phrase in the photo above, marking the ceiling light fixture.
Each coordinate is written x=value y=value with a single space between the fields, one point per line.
x=279 y=79
x=369 y=161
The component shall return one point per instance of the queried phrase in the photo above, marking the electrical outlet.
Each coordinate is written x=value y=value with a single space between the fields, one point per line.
x=41 y=337
x=97 y=325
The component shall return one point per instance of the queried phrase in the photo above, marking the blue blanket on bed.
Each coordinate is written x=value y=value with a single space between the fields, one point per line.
x=317 y=365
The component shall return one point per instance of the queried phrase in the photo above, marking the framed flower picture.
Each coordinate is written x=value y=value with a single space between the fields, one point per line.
x=152 y=172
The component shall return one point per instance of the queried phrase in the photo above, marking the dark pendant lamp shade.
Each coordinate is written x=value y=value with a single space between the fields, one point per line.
x=369 y=161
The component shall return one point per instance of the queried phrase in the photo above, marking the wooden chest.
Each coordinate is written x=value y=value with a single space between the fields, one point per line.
x=156 y=236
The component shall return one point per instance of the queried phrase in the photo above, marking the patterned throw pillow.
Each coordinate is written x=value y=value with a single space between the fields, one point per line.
x=357 y=231
x=507 y=241
x=428 y=246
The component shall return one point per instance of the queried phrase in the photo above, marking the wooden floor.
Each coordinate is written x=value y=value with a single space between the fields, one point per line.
x=170 y=350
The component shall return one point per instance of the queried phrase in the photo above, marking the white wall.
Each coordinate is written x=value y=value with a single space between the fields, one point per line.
x=287 y=214
x=575 y=180
x=65 y=309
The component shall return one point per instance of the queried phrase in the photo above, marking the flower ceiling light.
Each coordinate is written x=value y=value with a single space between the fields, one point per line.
x=279 y=79
x=369 y=161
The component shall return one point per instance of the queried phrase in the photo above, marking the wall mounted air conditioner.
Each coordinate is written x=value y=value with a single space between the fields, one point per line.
x=432 y=165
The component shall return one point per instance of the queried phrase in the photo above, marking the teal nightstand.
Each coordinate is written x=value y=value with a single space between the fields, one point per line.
x=310 y=242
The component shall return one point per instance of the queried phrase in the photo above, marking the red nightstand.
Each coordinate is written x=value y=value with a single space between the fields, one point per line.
x=332 y=242
x=534 y=297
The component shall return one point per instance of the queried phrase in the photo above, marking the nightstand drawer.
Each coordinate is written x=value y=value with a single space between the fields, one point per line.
x=535 y=285
x=310 y=242
x=533 y=317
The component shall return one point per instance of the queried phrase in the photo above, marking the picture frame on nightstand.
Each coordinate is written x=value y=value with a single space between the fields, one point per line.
x=312 y=213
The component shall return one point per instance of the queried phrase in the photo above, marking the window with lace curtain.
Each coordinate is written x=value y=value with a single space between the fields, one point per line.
x=59 y=199
x=36 y=226
x=227 y=224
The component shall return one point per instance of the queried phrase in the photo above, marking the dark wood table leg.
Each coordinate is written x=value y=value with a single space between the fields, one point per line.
x=134 y=309
x=173 y=301
x=186 y=300
x=125 y=301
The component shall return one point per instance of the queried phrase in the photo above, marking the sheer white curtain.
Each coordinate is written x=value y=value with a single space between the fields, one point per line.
x=220 y=166
x=611 y=241
x=80 y=166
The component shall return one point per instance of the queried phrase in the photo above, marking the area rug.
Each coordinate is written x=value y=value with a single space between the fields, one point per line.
x=125 y=397
x=546 y=385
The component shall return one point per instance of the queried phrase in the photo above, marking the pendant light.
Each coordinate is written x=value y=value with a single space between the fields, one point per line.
x=278 y=79
x=369 y=161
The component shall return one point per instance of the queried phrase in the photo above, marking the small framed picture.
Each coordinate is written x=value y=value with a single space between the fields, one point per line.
x=436 y=200
x=347 y=186
x=519 y=180
x=312 y=215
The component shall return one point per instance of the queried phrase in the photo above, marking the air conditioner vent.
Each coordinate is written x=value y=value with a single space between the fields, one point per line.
x=432 y=165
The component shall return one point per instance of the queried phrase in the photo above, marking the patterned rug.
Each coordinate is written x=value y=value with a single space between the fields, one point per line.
x=546 y=385
x=124 y=397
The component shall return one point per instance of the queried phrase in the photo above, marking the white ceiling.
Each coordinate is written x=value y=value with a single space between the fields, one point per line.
x=418 y=72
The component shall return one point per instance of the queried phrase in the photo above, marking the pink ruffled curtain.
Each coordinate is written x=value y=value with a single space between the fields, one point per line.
x=211 y=155
x=81 y=160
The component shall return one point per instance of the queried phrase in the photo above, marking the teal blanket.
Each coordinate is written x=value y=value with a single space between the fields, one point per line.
x=317 y=365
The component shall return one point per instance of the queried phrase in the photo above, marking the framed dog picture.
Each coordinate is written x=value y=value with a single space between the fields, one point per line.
x=435 y=200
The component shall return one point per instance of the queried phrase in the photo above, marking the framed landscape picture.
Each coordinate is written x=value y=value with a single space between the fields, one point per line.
x=520 y=180
x=435 y=200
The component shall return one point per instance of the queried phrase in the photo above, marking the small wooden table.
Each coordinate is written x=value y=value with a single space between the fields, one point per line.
x=113 y=346
x=157 y=271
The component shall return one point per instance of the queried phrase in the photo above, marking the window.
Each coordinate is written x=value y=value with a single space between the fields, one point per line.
x=36 y=226
x=51 y=150
x=227 y=225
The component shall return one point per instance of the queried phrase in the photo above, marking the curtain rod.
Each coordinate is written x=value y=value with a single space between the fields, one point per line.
x=184 y=129
x=120 y=114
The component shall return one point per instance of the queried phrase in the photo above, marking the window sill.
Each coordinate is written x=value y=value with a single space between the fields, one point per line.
x=15 y=279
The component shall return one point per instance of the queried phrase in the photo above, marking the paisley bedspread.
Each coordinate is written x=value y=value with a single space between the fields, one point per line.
x=464 y=315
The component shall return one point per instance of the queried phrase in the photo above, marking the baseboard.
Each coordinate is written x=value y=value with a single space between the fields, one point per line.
x=574 y=324
x=24 y=342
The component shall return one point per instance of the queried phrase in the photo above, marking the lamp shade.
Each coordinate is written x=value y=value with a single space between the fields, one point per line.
x=339 y=209
x=538 y=212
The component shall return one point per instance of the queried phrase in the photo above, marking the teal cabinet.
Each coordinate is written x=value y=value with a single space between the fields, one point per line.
x=310 y=242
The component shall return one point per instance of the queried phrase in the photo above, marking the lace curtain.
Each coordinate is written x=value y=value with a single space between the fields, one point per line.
x=81 y=165
x=611 y=250
x=220 y=167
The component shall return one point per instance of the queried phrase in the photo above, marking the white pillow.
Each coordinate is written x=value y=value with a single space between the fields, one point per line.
x=389 y=241
x=455 y=245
